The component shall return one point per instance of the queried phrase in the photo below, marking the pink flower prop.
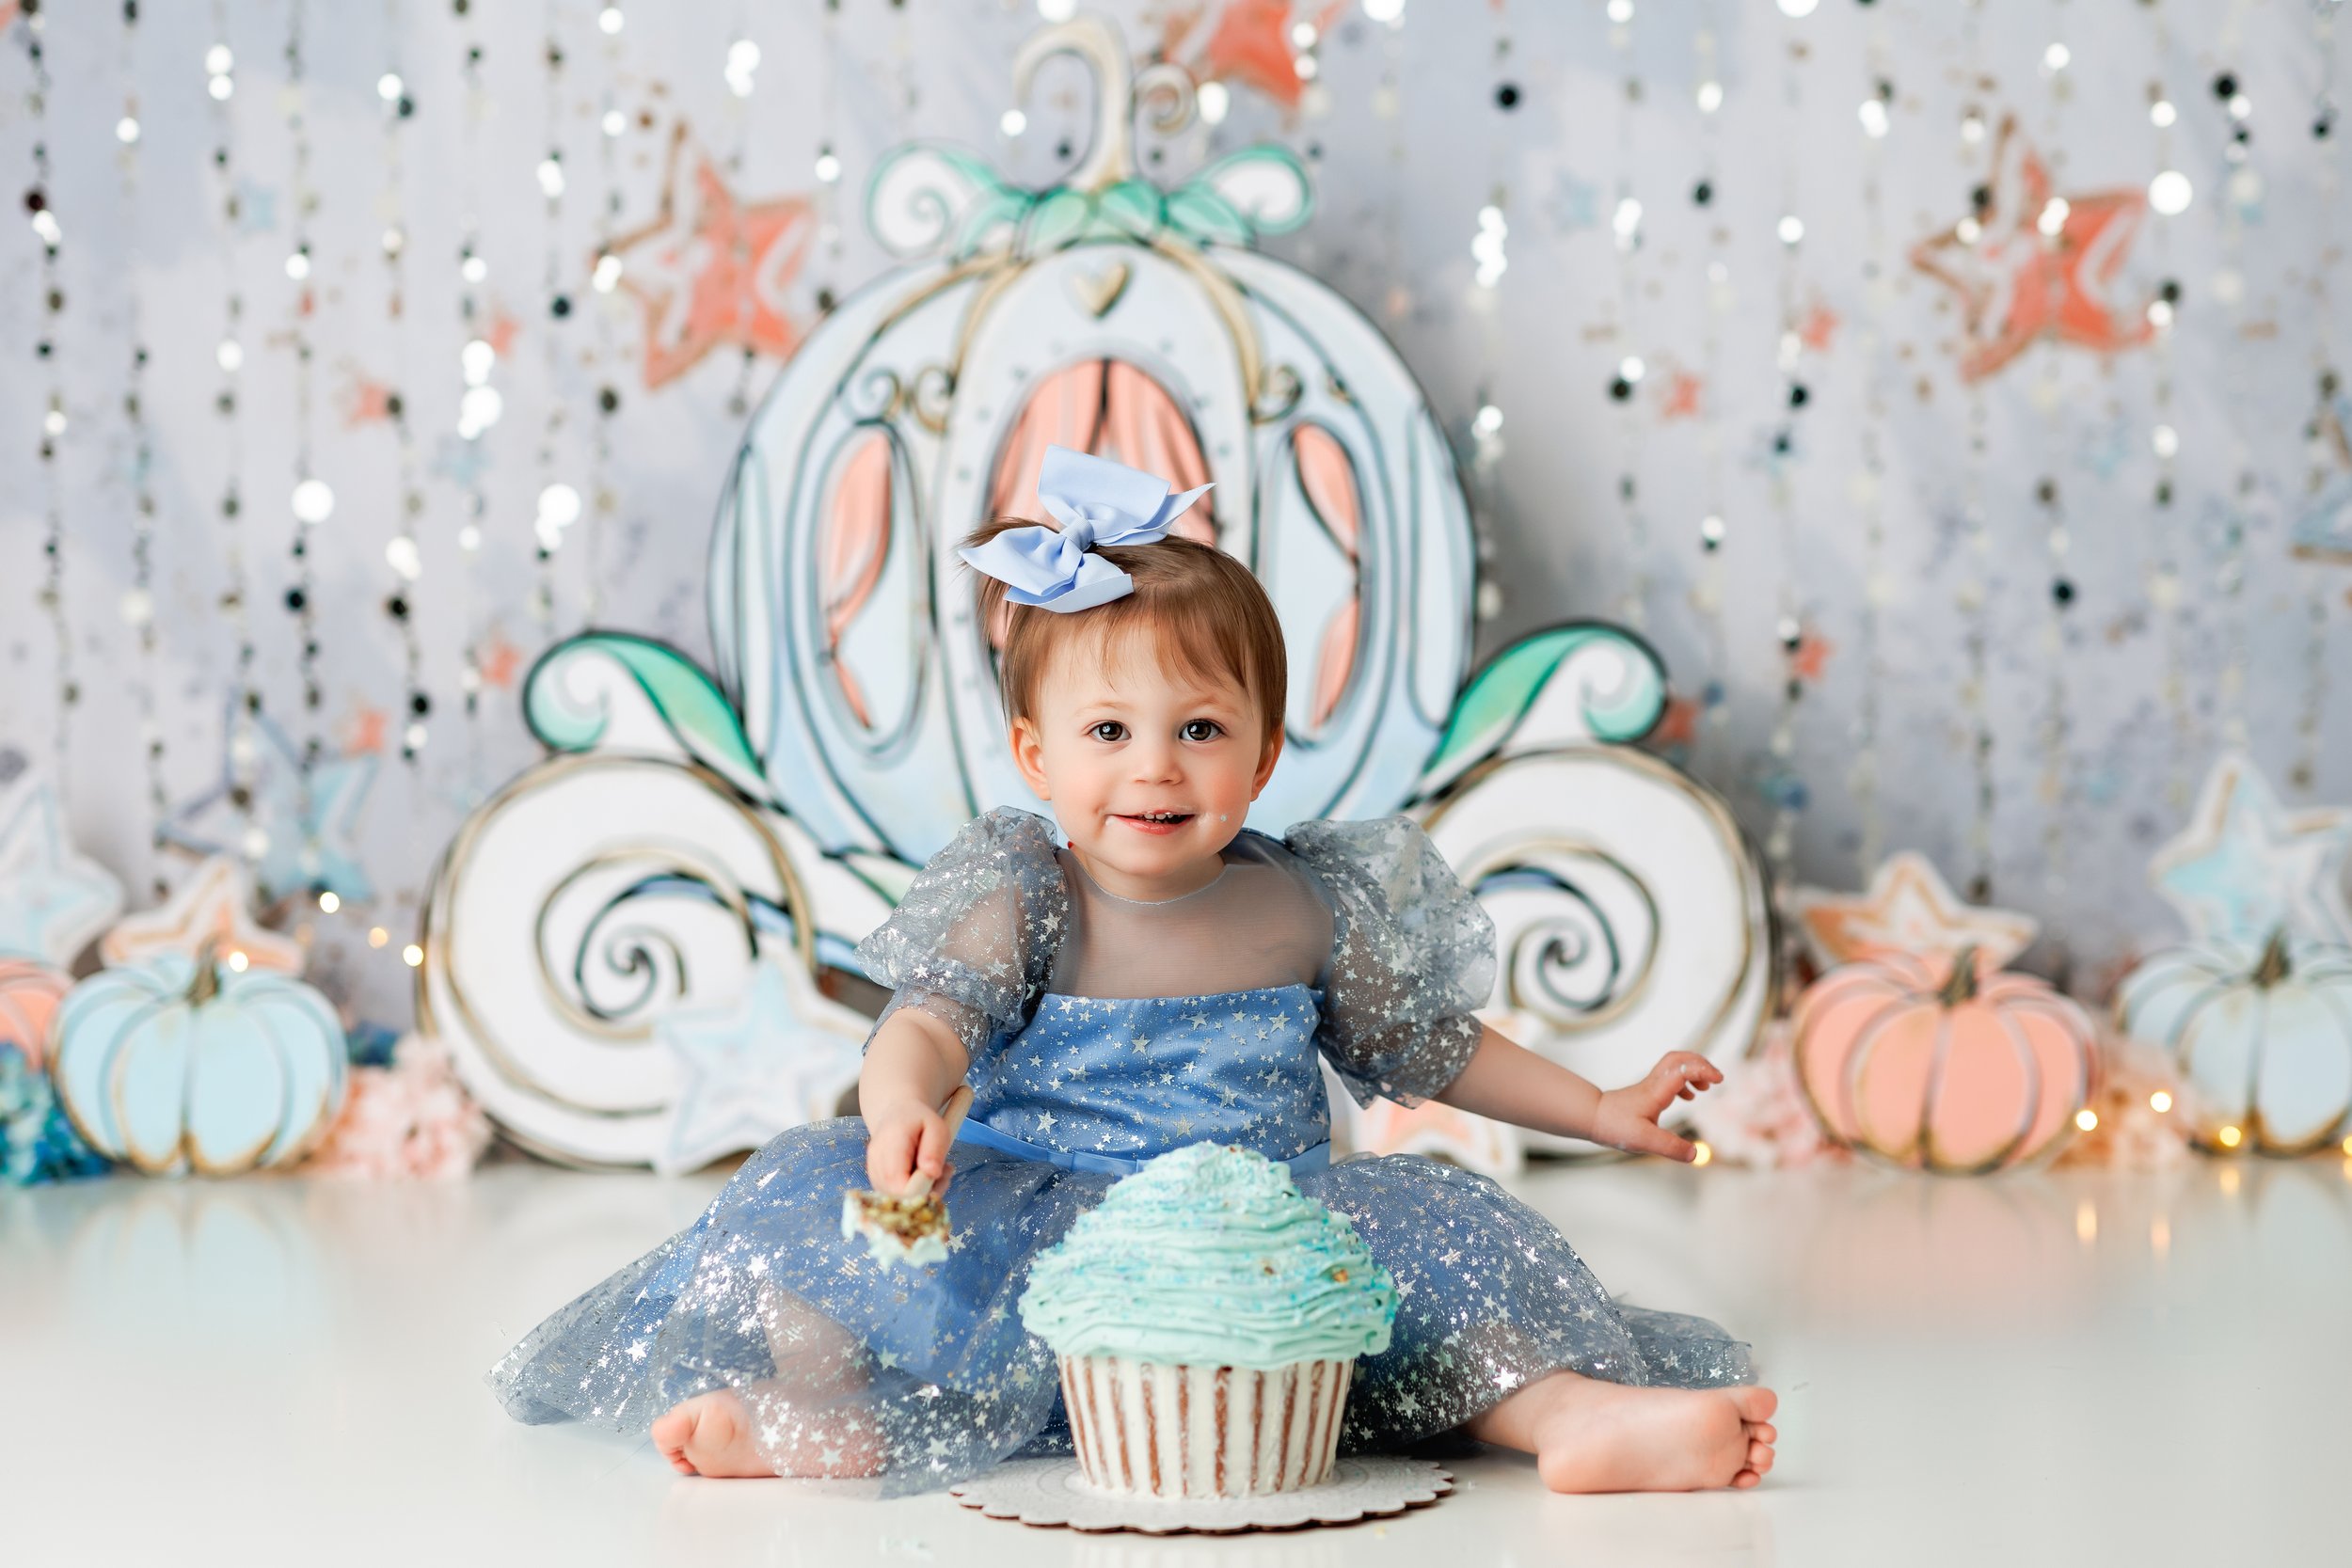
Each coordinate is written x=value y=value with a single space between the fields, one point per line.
x=1757 y=1115
x=408 y=1122
x=2132 y=1134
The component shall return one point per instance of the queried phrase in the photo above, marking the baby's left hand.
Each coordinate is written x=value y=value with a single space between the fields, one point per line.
x=1627 y=1117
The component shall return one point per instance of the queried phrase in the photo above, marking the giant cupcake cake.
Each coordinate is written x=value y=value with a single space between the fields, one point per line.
x=1207 y=1318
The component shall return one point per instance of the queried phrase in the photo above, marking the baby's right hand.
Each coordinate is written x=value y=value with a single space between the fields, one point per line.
x=901 y=1139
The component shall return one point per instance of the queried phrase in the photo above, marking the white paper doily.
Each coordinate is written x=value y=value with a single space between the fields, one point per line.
x=1055 y=1492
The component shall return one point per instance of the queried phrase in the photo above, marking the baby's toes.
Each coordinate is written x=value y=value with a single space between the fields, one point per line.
x=1759 y=1457
x=1763 y=1431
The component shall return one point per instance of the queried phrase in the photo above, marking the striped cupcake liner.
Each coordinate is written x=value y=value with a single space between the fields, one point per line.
x=1203 y=1431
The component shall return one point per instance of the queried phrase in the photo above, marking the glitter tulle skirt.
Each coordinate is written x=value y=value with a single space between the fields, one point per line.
x=924 y=1377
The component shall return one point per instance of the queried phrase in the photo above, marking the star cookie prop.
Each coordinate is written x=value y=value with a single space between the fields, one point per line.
x=1908 y=908
x=215 y=905
x=53 y=899
x=2028 y=265
x=2246 y=867
x=781 y=1054
x=711 y=271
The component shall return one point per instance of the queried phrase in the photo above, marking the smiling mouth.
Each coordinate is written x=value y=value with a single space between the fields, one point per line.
x=1156 y=818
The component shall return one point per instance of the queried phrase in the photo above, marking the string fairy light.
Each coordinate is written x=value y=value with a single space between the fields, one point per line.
x=1714 y=696
x=1783 y=790
x=51 y=596
x=313 y=501
x=558 y=504
x=480 y=404
x=1490 y=259
x=2169 y=196
x=1626 y=387
x=2055 y=786
x=1868 y=486
x=1972 y=596
x=742 y=67
x=2241 y=189
x=603 y=278
x=245 y=698
x=1387 y=104
x=2325 y=428
x=403 y=551
x=139 y=602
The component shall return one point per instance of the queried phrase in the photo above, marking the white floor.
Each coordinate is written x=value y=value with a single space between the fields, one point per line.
x=2072 y=1369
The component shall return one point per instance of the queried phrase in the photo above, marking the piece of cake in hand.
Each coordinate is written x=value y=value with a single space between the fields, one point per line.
x=1207 y=1318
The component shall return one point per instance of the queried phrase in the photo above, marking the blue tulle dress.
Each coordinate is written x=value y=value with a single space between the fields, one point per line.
x=1104 y=1031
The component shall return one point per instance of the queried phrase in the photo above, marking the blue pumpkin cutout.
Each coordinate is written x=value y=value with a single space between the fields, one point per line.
x=176 y=1066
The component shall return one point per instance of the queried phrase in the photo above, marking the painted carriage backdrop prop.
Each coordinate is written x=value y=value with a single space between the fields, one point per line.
x=688 y=828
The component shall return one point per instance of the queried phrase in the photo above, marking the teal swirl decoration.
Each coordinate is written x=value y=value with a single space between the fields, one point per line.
x=569 y=703
x=1617 y=694
x=1237 y=200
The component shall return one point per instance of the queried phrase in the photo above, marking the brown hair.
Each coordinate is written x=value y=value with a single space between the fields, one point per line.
x=1208 y=615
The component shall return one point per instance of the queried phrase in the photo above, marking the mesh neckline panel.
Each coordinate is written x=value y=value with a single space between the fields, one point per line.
x=1264 y=922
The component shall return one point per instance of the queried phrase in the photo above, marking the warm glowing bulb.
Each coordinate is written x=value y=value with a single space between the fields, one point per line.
x=329 y=902
x=1700 y=1153
x=2227 y=1137
x=2161 y=1102
x=238 y=963
x=412 y=956
x=2347 y=1149
x=2087 y=1119
x=378 y=936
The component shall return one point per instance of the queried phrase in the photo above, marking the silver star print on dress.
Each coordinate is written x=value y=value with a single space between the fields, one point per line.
x=1102 y=1031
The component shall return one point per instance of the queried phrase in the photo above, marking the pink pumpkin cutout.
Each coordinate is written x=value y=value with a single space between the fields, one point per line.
x=1946 y=1065
x=29 y=993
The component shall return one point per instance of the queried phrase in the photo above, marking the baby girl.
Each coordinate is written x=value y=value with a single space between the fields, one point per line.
x=1164 y=977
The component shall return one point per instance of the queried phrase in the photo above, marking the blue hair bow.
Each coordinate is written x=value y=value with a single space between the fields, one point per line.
x=1097 y=502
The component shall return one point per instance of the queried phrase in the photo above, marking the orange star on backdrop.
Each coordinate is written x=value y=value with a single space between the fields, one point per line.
x=1811 y=656
x=1251 y=44
x=1679 y=724
x=368 y=403
x=711 y=270
x=363 y=732
x=215 y=905
x=2017 y=285
x=1819 y=330
x=1908 y=908
x=499 y=661
x=1682 y=396
x=501 y=332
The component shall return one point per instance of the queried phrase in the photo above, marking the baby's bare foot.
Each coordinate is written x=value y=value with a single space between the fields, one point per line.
x=1594 y=1436
x=710 y=1434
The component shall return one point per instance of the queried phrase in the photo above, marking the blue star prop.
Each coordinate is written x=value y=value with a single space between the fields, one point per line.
x=1572 y=203
x=310 y=823
x=779 y=1054
x=52 y=901
x=2246 y=867
x=460 y=461
x=257 y=207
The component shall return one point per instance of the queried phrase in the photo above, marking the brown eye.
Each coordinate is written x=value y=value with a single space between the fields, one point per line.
x=1109 y=731
x=1203 y=730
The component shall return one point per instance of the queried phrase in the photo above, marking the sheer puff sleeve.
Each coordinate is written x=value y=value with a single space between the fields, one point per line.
x=973 y=940
x=1412 y=954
